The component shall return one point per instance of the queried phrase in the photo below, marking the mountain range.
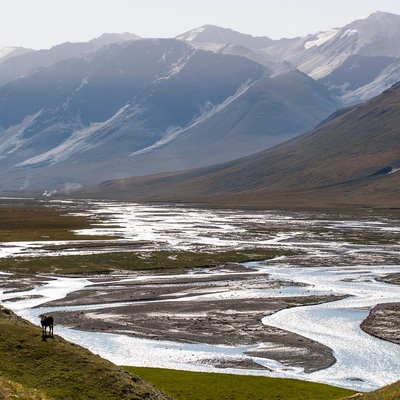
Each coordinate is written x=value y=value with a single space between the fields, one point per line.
x=350 y=159
x=355 y=62
x=121 y=106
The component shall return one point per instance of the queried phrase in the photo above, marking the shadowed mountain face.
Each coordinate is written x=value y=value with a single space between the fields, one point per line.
x=351 y=158
x=148 y=106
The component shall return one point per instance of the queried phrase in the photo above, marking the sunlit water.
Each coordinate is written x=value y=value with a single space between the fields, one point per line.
x=363 y=362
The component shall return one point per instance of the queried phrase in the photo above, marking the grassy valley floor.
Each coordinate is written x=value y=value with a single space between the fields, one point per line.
x=184 y=385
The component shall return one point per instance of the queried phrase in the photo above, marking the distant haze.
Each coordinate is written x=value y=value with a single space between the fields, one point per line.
x=42 y=24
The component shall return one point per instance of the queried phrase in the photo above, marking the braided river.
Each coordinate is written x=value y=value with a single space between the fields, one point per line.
x=335 y=255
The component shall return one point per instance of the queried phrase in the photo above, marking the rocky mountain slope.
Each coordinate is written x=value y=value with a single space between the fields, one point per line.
x=351 y=158
x=355 y=62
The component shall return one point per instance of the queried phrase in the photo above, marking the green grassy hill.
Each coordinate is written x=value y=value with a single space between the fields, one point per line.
x=36 y=369
x=390 y=392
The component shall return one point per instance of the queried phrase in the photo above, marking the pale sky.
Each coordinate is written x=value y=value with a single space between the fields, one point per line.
x=41 y=24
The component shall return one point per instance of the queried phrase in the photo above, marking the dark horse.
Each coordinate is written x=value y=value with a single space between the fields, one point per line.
x=47 y=321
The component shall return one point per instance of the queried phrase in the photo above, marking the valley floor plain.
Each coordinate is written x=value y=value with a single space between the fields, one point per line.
x=295 y=314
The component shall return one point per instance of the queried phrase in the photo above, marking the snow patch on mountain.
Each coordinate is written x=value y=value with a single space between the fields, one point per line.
x=12 y=138
x=322 y=38
x=214 y=47
x=171 y=134
x=317 y=69
x=177 y=66
x=388 y=77
x=191 y=34
x=84 y=82
x=6 y=51
x=75 y=144
x=80 y=141
x=349 y=32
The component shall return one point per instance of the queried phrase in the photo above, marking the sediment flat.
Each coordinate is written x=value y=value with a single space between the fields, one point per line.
x=215 y=306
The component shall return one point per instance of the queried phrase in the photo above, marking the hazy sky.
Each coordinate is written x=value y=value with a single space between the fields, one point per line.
x=44 y=23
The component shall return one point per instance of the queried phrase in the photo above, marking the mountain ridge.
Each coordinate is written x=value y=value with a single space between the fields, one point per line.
x=350 y=159
x=356 y=62
x=153 y=104
x=121 y=106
